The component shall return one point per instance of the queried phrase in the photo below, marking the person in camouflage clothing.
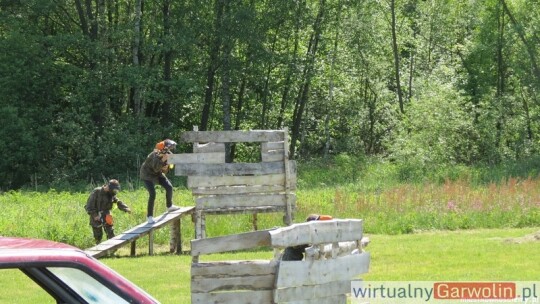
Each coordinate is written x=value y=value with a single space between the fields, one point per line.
x=153 y=172
x=99 y=205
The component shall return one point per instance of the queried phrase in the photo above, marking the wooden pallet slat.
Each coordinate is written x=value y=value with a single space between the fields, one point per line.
x=238 y=297
x=233 y=268
x=229 y=169
x=253 y=180
x=202 y=158
x=230 y=243
x=243 y=200
x=325 y=232
x=233 y=136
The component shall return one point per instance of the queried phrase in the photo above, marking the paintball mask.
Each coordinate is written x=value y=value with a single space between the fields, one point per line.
x=114 y=187
x=166 y=146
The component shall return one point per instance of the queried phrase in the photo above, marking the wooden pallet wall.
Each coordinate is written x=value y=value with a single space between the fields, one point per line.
x=224 y=188
x=336 y=257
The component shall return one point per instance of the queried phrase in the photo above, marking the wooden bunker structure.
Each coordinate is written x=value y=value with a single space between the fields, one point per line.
x=335 y=258
x=225 y=188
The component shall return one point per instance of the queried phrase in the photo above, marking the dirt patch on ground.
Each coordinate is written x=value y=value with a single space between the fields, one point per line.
x=533 y=237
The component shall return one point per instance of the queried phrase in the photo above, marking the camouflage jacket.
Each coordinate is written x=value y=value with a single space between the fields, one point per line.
x=152 y=167
x=101 y=200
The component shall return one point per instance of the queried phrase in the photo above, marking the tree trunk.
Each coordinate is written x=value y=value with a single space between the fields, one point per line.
x=212 y=66
x=530 y=50
x=530 y=134
x=226 y=78
x=265 y=106
x=329 y=105
x=136 y=92
x=500 y=76
x=167 y=64
x=82 y=18
x=92 y=19
x=292 y=65
x=239 y=111
x=303 y=95
x=396 y=56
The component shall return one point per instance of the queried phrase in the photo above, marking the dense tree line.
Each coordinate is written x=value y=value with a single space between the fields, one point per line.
x=87 y=87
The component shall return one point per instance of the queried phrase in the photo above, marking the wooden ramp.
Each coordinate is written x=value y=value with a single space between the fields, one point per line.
x=131 y=235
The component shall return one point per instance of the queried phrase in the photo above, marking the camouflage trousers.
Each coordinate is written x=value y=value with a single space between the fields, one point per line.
x=99 y=226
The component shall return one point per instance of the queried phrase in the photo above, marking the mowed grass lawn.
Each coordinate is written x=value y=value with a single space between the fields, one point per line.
x=479 y=255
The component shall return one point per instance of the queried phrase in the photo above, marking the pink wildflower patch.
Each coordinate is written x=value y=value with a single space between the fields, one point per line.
x=451 y=206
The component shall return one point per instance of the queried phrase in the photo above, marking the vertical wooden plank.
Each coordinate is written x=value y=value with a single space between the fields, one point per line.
x=151 y=242
x=175 y=232
x=179 y=245
x=200 y=225
x=203 y=225
x=255 y=221
x=198 y=222
x=288 y=215
x=133 y=246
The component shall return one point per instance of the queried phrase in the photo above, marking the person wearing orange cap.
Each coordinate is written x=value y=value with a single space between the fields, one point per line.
x=153 y=171
x=99 y=205
x=296 y=253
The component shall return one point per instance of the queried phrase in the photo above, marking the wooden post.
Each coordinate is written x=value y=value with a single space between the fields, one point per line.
x=151 y=242
x=203 y=225
x=198 y=233
x=288 y=215
x=133 y=246
x=255 y=221
x=199 y=217
x=175 y=244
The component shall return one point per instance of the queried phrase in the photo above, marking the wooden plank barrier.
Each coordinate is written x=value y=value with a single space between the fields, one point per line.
x=225 y=188
x=335 y=257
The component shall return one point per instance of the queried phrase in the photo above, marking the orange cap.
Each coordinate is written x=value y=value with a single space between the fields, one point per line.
x=325 y=217
x=160 y=145
x=317 y=217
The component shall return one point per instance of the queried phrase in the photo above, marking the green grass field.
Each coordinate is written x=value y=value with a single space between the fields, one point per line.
x=463 y=224
x=478 y=255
